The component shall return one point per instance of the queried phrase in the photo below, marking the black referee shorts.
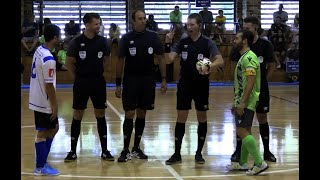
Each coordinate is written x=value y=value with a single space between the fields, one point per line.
x=93 y=88
x=138 y=92
x=196 y=90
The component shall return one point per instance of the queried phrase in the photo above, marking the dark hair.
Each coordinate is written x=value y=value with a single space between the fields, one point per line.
x=133 y=15
x=50 y=31
x=252 y=19
x=247 y=34
x=195 y=16
x=176 y=7
x=220 y=10
x=46 y=21
x=87 y=18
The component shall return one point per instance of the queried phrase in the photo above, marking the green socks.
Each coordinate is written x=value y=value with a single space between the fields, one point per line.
x=250 y=143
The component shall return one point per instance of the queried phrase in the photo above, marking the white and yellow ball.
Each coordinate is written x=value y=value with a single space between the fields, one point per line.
x=202 y=65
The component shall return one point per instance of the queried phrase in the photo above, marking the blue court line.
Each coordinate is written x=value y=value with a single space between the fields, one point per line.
x=26 y=86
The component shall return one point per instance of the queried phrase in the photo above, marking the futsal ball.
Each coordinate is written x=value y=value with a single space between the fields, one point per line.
x=201 y=64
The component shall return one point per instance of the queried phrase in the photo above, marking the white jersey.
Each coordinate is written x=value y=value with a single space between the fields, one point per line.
x=43 y=71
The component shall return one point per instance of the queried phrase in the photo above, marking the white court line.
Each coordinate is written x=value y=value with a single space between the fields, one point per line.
x=115 y=110
x=170 y=169
x=167 y=177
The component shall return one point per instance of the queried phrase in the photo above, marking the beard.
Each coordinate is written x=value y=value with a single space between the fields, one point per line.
x=239 y=46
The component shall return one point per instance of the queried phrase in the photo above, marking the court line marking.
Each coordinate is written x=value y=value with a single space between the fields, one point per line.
x=170 y=169
x=168 y=177
x=115 y=110
x=174 y=173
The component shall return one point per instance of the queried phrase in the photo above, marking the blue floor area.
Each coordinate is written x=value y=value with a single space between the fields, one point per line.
x=174 y=84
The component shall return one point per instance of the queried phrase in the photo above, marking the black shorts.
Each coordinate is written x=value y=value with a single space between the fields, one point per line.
x=264 y=99
x=245 y=120
x=138 y=92
x=93 y=88
x=43 y=121
x=196 y=90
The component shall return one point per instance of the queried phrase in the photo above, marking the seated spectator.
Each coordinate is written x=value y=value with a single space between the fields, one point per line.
x=46 y=21
x=175 y=16
x=151 y=23
x=207 y=20
x=101 y=30
x=220 y=22
x=62 y=55
x=282 y=14
x=71 y=29
x=30 y=33
x=275 y=27
x=114 y=34
x=279 y=44
x=294 y=35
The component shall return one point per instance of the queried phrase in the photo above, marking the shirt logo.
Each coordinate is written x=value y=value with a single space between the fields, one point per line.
x=82 y=44
x=184 y=55
x=82 y=55
x=100 y=54
x=131 y=42
x=200 y=56
x=150 y=50
x=185 y=46
x=133 y=51
x=260 y=58
x=51 y=72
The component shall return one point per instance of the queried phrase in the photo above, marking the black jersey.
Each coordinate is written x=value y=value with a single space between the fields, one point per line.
x=139 y=48
x=191 y=52
x=89 y=54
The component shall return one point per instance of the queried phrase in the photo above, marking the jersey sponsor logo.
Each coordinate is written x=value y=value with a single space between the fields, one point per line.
x=200 y=56
x=133 y=51
x=131 y=42
x=82 y=55
x=100 y=54
x=82 y=44
x=150 y=50
x=250 y=72
x=260 y=58
x=184 y=55
x=51 y=72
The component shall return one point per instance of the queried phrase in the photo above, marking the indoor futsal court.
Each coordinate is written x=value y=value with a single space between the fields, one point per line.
x=158 y=139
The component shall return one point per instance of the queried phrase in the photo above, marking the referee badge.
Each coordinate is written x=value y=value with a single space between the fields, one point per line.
x=133 y=51
x=260 y=58
x=200 y=56
x=184 y=55
x=150 y=50
x=100 y=54
x=82 y=55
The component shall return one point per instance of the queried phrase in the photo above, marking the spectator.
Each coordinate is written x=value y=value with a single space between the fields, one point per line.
x=30 y=33
x=176 y=16
x=114 y=34
x=71 y=29
x=151 y=23
x=283 y=15
x=101 y=31
x=207 y=19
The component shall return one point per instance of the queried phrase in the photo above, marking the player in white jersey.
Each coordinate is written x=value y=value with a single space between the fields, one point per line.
x=42 y=99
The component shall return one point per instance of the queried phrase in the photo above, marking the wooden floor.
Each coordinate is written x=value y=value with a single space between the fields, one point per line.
x=158 y=140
